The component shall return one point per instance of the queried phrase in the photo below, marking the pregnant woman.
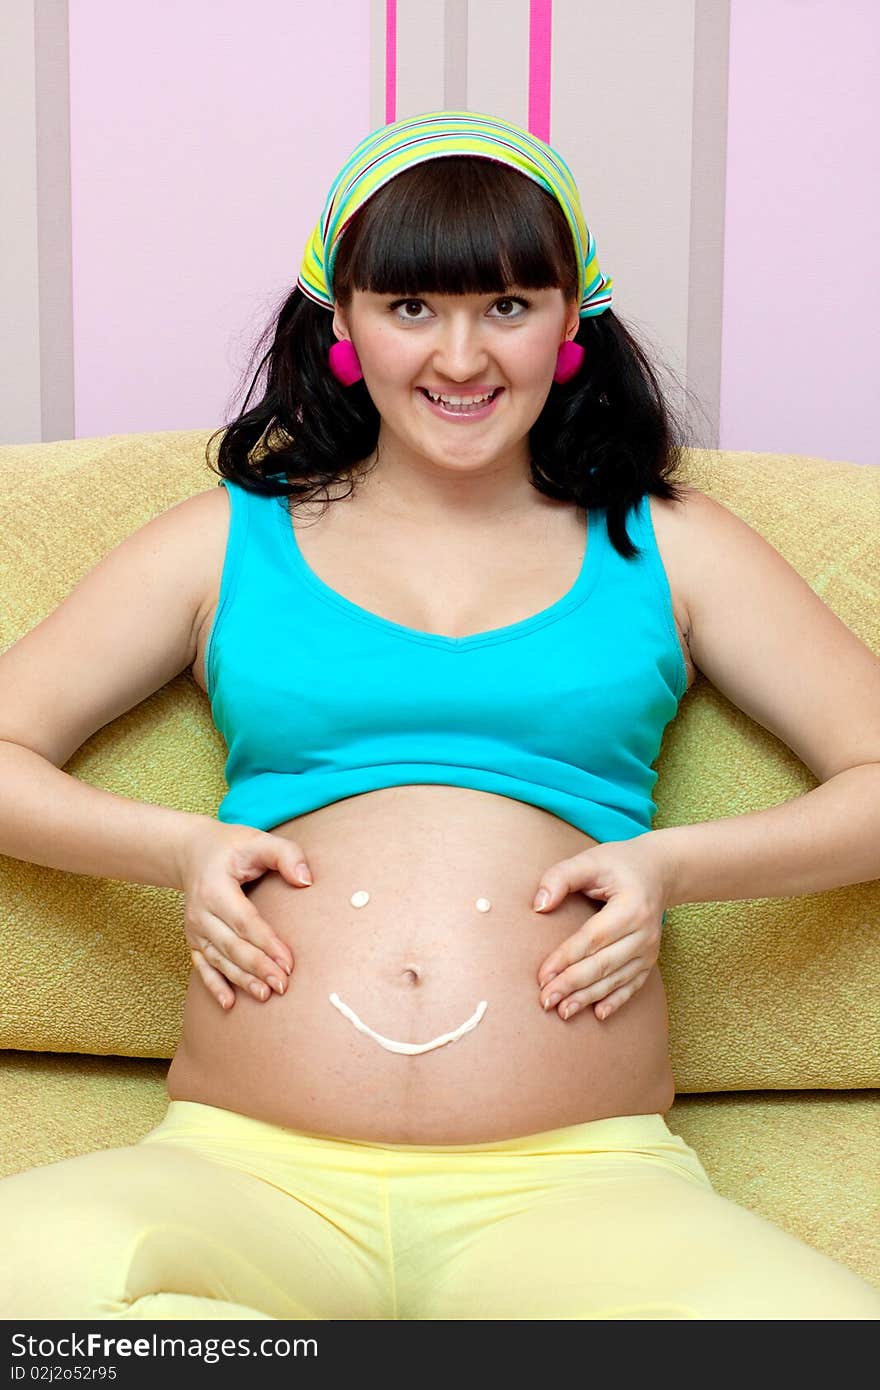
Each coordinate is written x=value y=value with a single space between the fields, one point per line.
x=443 y=605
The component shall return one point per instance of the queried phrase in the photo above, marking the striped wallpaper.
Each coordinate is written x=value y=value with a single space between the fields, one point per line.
x=165 y=165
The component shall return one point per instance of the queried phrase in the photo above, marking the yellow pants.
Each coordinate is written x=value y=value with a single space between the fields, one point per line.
x=214 y=1214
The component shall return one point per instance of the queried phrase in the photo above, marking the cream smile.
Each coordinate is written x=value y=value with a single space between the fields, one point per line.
x=410 y=1048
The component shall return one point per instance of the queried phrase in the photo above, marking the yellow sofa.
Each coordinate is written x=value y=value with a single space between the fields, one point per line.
x=773 y=1003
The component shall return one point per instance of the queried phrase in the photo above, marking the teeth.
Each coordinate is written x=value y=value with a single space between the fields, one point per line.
x=460 y=400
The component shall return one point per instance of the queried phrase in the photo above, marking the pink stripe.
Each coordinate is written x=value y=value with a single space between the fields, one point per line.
x=390 y=61
x=540 y=26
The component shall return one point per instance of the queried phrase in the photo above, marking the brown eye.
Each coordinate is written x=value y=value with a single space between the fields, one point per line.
x=404 y=303
x=513 y=299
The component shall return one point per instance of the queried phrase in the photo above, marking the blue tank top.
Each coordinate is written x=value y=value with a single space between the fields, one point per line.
x=318 y=698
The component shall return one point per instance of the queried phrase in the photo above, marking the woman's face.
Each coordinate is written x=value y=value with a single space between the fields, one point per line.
x=458 y=345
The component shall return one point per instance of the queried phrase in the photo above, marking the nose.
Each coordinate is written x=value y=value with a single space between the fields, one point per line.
x=461 y=354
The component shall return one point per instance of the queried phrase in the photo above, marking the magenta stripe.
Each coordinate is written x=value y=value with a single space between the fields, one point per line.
x=390 y=61
x=540 y=26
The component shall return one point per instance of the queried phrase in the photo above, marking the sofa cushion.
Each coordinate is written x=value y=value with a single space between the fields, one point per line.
x=763 y=993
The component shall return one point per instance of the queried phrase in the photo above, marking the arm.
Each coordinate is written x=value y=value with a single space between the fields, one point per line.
x=51 y=818
x=126 y=628
x=827 y=838
x=764 y=638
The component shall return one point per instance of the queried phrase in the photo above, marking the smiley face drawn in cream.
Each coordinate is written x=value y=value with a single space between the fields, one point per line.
x=360 y=899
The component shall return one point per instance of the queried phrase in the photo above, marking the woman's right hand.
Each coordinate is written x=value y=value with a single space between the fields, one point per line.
x=228 y=938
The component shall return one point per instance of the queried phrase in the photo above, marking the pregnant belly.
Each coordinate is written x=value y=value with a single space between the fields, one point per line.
x=419 y=962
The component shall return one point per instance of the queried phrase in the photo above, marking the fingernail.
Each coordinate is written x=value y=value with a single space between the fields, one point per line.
x=283 y=964
x=260 y=991
x=541 y=900
x=551 y=976
x=302 y=873
x=276 y=984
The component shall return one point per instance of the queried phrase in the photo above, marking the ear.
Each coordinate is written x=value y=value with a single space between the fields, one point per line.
x=340 y=327
x=573 y=319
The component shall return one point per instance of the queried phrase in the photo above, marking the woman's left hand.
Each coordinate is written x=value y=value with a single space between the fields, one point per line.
x=611 y=955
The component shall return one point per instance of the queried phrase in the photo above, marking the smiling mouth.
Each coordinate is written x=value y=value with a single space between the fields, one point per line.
x=462 y=412
x=410 y=1048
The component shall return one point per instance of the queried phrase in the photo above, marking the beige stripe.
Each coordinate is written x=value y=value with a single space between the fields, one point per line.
x=421 y=56
x=36 y=342
x=708 y=185
x=456 y=48
x=19 y=279
x=54 y=219
x=498 y=71
x=641 y=130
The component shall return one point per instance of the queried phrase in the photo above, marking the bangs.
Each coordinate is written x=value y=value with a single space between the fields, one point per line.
x=457 y=224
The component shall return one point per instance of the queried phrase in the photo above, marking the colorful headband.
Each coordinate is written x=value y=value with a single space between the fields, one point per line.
x=392 y=148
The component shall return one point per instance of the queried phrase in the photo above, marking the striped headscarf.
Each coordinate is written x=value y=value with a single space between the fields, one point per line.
x=392 y=148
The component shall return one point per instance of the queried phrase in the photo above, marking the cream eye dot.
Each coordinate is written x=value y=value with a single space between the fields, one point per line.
x=362 y=897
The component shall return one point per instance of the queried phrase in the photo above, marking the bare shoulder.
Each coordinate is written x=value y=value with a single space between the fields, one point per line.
x=197 y=517
x=126 y=628
x=769 y=643
x=193 y=534
x=208 y=530
x=673 y=515
x=689 y=531
x=209 y=508
x=673 y=520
